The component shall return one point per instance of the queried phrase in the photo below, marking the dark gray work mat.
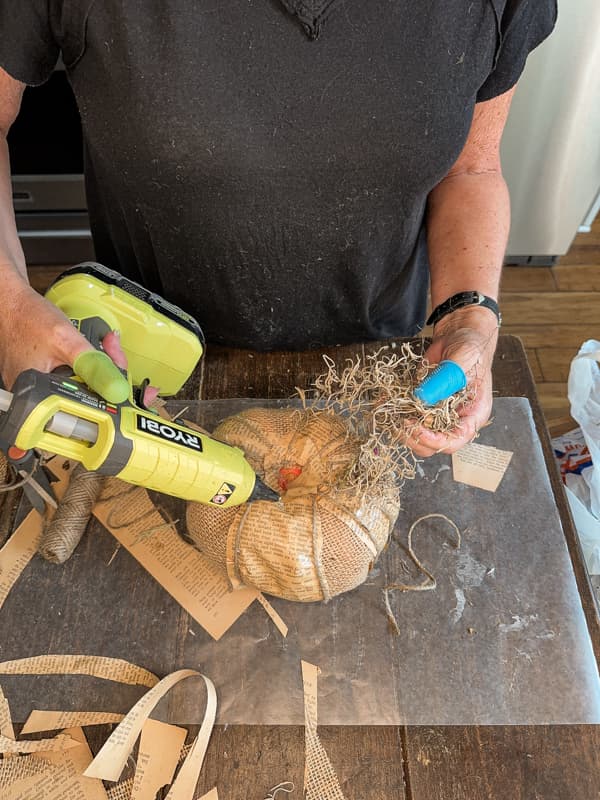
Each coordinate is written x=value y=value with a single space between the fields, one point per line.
x=501 y=640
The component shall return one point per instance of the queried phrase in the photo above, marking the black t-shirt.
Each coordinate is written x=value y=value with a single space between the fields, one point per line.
x=265 y=164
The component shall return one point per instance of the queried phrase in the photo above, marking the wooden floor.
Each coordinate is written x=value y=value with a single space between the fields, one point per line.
x=552 y=309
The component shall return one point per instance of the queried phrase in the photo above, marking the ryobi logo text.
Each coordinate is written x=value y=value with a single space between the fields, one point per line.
x=165 y=431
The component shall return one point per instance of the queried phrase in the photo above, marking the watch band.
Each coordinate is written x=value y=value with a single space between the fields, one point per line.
x=462 y=300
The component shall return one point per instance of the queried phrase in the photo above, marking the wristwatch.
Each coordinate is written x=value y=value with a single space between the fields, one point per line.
x=462 y=300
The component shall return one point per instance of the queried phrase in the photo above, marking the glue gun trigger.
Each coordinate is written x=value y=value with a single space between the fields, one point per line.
x=36 y=483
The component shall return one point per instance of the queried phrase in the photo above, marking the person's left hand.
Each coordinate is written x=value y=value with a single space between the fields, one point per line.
x=467 y=336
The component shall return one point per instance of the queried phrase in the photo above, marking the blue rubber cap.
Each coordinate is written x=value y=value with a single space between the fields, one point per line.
x=445 y=380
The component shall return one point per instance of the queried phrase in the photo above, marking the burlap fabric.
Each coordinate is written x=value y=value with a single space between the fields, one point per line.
x=324 y=536
x=17 y=768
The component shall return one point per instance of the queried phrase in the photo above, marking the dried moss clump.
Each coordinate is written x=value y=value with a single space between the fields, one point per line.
x=376 y=398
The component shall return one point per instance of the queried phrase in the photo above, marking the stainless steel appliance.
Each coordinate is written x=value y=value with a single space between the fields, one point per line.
x=551 y=145
x=46 y=154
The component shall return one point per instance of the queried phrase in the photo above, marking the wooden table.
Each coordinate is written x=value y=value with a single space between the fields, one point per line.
x=407 y=763
x=384 y=762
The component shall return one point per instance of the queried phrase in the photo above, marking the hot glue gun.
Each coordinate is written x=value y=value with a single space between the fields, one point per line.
x=113 y=433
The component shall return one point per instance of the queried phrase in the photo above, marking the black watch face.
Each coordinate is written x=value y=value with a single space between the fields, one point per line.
x=460 y=300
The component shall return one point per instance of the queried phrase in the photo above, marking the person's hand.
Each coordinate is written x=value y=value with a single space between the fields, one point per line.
x=35 y=334
x=467 y=336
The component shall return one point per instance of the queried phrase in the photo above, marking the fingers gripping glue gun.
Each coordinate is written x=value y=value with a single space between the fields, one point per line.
x=114 y=434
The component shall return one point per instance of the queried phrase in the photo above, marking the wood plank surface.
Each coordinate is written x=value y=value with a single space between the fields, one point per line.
x=537 y=336
x=563 y=308
x=555 y=362
x=576 y=277
x=246 y=762
x=528 y=279
x=555 y=400
x=502 y=763
x=559 y=425
x=585 y=253
x=534 y=365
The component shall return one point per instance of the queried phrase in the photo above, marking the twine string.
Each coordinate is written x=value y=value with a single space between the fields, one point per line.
x=63 y=532
x=287 y=787
x=430 y=581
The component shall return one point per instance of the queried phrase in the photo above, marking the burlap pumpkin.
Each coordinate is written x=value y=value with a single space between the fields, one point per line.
x=320 y=540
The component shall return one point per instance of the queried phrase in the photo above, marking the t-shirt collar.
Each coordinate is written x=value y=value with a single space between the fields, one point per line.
x=311 y=13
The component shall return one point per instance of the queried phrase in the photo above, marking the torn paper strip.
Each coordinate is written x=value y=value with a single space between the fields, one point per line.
x=39 y=721
x=275 y=617
x=200 y=587
x=110 y=669
x=60 y=742
x=310 y=674
x=184 y=785
x=18 y=552
x=53 y=776
x=6 y=726
x=320 y=780
x=480 y=465
x=158 y=756
x=112 y=757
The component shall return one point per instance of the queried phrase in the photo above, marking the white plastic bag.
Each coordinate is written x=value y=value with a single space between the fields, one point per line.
x=583 y=491
x=588 y=530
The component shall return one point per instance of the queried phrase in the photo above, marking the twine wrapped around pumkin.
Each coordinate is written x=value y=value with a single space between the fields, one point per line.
x=324 y=535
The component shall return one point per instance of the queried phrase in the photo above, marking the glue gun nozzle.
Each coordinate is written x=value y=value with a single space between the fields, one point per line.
x=262 y=492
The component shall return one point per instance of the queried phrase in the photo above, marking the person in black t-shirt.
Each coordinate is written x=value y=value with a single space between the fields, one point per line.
x=293 y=174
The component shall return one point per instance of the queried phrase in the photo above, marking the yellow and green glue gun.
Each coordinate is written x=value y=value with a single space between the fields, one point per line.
x=111 y=432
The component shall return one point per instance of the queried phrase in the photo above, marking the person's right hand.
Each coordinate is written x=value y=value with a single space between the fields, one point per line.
x=36 y=334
